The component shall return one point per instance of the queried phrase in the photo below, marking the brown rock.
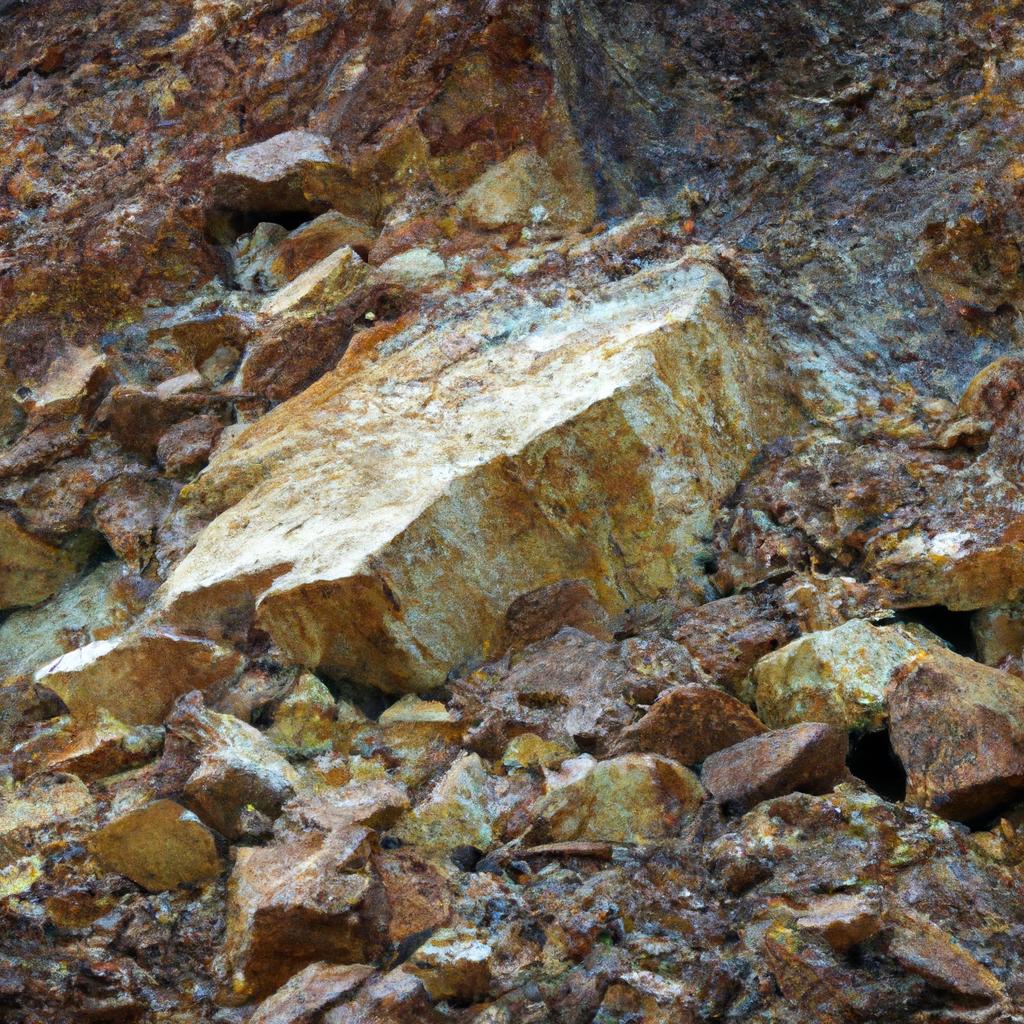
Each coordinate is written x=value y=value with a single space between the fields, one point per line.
x=136 y=676
x=161 y=846
x=296 y=902
x=958 y=728
x=186 y=446
x=394 y=998
x=311 y=242
x=239 y=770
x=688 y=723
x=418 y=895
x=572 y=689
x=542 y=613
x=809 y=757
x=306 y=997
x=454 y=963
x=842 y=920
x=30 y=569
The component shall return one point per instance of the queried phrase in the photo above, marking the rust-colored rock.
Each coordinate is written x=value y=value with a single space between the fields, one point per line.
x=958 y=728
x=809 y=757
x=307 y=996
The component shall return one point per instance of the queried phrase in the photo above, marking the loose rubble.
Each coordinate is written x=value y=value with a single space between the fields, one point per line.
x=511 y=512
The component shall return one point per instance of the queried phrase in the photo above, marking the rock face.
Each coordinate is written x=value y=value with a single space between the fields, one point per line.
x=511 y=511
x=585 y=411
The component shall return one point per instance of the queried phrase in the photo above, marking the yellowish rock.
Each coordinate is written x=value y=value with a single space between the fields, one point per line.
x=320 y=288
x=30 y=569
x=836 y=675
x=137 y=676
x=528 y=750
x=160 y=846
x=306 y=718
x=384 y=520
x=628 y=799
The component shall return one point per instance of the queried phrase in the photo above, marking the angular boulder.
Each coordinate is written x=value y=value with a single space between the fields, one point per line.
x=137 y=676
x=382 y=521
x=633 y=798
x=810 y=757
x=836 y=675
x=160 y=846
x=690 y=722
x=958 y=728
x=296 y=902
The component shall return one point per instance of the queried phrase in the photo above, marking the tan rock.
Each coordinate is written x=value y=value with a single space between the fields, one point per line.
x=292 y=171
x=98 y=603
x=528 y=749
x=393 y=998
x=454 y=963
x=27 y=810
x=160 y=846
x=688 y=723
x=412 y=268
x=296 y=902
x=628 y=799
x=137 y=676
x=958 y=728
x=375 y=803
x=30 y=569
x=523 y=191
x=304 y=998
x=320 y=288
x=836 y=675
x=606 y=407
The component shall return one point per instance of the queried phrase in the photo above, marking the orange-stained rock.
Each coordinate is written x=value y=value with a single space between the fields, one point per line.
x=556 y=468
x=958 y=728
x=160 y=846
x=810 y=758
x=136 y=676
x=688 y=723
x=419 y=896
x=307 y=996
x=843 y=920
x=299 y=901
x=30 y=569
x=543 y=612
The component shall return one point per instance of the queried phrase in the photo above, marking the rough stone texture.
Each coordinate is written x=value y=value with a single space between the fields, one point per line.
x=958 y=728
x=809 y=757
x=160 y=846
x=585 y=400
x=136 y=676
x=273 y=270
x=836 y=676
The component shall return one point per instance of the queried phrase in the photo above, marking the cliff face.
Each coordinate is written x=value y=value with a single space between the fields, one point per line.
x=511 y=511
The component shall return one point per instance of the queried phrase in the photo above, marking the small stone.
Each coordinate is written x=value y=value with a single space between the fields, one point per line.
x=689 y=723
x=187 y=445
x=160 y=847
x=836 y=676
x=843 y=921
x=412 y=268
x=320 y=288
x=958 y=728
x=411 y=708
x=530 y=750
x=304 y=998
x=136 y=676
x=809 y=758
x=454 y=963
x=629 y=799
x=239 y=770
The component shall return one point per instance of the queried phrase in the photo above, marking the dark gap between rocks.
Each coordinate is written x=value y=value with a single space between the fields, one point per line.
x=953 y=627
x=225 y=226
x=872 y=759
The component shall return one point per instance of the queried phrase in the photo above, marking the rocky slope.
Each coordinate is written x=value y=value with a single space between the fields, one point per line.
x=511 y=511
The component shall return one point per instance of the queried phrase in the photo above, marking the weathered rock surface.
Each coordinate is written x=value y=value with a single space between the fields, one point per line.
x=958 y=728
x=570 y=438
x=591 y=376
x=160 y=846
x=809 y=757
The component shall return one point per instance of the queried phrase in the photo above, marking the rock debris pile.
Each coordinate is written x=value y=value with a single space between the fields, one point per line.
x=511 y=512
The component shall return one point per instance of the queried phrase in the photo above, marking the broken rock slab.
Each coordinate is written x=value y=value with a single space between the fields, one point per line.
x=136 y=677
x=382 y=521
